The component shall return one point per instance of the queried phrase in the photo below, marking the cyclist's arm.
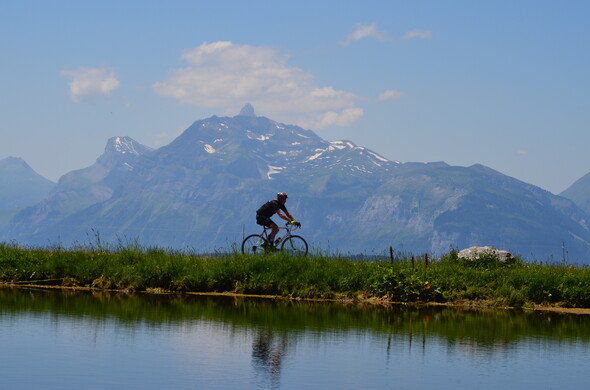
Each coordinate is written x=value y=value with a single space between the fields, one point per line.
x=288 y=217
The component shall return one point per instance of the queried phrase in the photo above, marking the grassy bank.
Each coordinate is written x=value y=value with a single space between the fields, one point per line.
x=447 y=279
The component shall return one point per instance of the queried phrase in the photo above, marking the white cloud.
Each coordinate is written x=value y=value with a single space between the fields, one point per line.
x=390 y=94
x=225 y=76
x=90 y=82
x=343 y=118
x=362 y=32
x=422 y=34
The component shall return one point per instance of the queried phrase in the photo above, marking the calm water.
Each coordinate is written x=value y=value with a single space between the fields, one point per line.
x=56 y=340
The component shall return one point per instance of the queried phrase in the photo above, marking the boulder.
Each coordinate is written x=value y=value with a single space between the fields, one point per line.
x=476 y=252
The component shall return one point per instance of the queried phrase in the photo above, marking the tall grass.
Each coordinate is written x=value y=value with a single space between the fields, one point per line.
x=447 y=279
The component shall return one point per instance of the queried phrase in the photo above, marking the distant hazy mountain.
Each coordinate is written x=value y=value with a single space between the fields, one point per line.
x=579 y=193
x=20 y=186
x=201 y=191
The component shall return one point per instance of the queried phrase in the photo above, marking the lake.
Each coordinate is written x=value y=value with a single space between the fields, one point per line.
x=80 y=340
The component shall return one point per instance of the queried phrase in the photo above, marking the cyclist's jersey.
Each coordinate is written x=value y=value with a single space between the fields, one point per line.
x=270 y=208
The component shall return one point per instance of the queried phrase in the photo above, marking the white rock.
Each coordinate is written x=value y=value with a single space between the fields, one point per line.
x=475 y=252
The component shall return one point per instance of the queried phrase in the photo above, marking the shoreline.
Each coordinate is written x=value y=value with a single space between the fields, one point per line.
x=347 y=301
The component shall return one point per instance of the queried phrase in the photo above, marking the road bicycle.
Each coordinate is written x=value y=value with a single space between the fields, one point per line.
x=258 y=244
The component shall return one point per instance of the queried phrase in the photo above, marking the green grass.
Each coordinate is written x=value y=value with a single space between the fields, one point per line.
x=447 y=279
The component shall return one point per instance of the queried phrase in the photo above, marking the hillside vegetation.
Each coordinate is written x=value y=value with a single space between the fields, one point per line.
x=445 y=280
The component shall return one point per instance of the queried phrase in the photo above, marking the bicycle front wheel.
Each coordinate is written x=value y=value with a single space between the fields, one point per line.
x=252 y=245
x=295 y=246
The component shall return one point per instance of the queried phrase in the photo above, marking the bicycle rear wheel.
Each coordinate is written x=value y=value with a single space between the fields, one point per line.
x=295 y=246
x=252 y=245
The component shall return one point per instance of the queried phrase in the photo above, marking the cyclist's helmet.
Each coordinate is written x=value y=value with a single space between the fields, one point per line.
x=282 y=195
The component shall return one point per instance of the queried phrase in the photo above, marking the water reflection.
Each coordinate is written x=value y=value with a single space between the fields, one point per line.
x=264 y=343
x=268 y=351
x=277 y=319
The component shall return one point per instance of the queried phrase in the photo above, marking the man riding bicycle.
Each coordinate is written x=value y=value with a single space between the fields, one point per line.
x=269 y=209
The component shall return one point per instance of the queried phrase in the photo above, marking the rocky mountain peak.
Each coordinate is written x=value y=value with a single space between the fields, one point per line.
x=247 y=110
x=120 y=149
x=126 y=145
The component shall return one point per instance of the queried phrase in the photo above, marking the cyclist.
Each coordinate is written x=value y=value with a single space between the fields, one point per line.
x=269 y=209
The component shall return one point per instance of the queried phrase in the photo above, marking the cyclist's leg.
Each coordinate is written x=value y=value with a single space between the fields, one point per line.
x=273 y=233
x=268 y=223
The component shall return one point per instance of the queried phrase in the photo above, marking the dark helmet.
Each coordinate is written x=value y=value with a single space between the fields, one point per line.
x=282 y=195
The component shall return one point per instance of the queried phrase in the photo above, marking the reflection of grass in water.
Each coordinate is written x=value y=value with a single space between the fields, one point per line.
x=289 y=318
x=444 y=280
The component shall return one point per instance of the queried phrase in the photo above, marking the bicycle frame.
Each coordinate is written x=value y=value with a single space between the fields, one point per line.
x=288 y=227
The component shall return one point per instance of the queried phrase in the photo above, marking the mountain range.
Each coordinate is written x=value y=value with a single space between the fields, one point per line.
x=20 y=186
x=579 y=192
x=201 y=191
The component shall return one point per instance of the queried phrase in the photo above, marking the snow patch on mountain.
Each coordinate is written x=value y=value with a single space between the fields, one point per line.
x=310 y=158
x=209 y=149
x=260 y=137
x=336 y=146
x=342 y=144
x=378 y=157
x=125 y=145
x=273 y=170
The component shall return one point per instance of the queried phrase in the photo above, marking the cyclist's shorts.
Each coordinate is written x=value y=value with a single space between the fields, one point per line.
x=264 y=221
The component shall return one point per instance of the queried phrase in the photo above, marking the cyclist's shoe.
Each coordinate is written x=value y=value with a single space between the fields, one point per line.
x=268 y=247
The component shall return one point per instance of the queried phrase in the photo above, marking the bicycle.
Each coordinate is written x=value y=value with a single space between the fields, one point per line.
x=292 y=244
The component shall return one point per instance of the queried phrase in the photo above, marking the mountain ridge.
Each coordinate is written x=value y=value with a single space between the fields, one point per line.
x=579 y=192
x=201 y=190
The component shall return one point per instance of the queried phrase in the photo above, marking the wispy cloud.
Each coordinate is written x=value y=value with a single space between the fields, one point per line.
x=421 y=34
x=90 y=82
x=225 y=76
x=363 y=32
x=390 y=94
x=343 y=118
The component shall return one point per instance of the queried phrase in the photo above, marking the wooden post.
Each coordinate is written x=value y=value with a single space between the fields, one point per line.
x=412 y=263
x=391 y=253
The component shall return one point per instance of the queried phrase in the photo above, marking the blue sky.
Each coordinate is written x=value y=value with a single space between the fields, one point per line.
x=501 y=83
